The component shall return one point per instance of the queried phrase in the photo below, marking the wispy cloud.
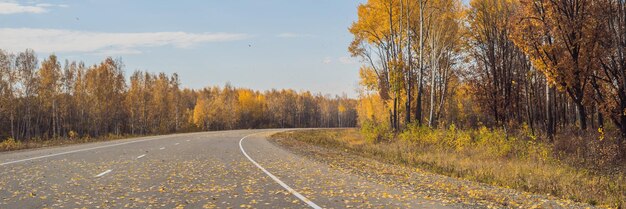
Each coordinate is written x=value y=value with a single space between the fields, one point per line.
x=347 y=60
x=109 y=52
x=14 y=8
x=340 y=60
x=327 y=60
x=7 y=8
x=294 y=35
x=55 y=40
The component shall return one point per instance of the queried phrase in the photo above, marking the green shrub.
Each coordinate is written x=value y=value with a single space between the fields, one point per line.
x=374 y=132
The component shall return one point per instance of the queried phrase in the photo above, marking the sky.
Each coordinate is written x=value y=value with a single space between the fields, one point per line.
x=258 y=44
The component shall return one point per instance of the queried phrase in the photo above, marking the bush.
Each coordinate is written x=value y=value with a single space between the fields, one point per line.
x=72 y=135
x=416 y=133
x=374 y=132
x=10 y=144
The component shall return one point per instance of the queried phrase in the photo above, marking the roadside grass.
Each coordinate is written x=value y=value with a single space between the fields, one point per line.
x=483 y=155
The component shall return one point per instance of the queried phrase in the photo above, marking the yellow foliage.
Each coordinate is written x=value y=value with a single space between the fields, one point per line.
x=601 y=131
x=72 y=135
x=10 y=144
x=376 y=132
x=368 y=78
x=250 y=103
x=200 y=113
x=371 y=108
x=341 y=108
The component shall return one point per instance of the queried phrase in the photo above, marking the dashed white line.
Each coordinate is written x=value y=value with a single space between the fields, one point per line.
x=80 y=150
x=140 y=156
x=103 y=173
x=177 y=144
x=294 y=192
x=188 y=140
x=162 y=148
x=94 y=148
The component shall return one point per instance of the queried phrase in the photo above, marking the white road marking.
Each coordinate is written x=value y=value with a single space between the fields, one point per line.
x=294 y=192
x=103 y=173
x=162 y=148
x=140 y=156
x=80 y=150
x=100 y=147
x=188 y=140
x=177 y=144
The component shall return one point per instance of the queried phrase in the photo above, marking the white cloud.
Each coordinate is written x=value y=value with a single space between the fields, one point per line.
x=111 y=52
x=12 y=7
x=44 y=5
x=294 y=35
x=347 y=60
x=341 y=60
x=55 y=40
x=327 y=60
x=15 y=8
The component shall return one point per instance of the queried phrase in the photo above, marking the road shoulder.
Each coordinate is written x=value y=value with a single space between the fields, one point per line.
x=422 y=183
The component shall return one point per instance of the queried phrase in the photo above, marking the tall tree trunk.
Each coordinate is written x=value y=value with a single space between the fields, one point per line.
x=407 y=116
x=582 y=115
x=391 y=119
x=395 y=114
x=13 y=124
x=621 y=142
x=550 y=122
x=432 y=96
x=529 y=108
x=600 y=120
x=409 y=65
x=443 y=85
x=418 y=109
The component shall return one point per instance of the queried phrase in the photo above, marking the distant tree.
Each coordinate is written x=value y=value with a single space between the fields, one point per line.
x=200 y=115
x=105 y=86
x=8 y=79
x=28 y=81
x=49 y=92
x=72 y=100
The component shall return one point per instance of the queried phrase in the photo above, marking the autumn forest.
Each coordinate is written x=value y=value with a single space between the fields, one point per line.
x=543 y=69
x=521 y=95
x=550 y=69
x=70 y=100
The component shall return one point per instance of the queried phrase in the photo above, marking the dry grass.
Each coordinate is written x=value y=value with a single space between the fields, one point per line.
x=486 y=156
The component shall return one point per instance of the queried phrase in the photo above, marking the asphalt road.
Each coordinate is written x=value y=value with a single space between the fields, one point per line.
x=226 y=169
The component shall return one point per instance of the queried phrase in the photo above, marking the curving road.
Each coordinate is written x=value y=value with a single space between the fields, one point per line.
x=225 y=169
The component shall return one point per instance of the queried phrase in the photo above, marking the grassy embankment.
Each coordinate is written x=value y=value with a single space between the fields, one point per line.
x=492 y=157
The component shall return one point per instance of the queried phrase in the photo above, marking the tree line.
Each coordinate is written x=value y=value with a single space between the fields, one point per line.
x=69 y=100
x=551 y=65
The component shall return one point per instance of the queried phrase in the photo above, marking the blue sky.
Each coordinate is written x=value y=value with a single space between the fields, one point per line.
x=259 y=44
